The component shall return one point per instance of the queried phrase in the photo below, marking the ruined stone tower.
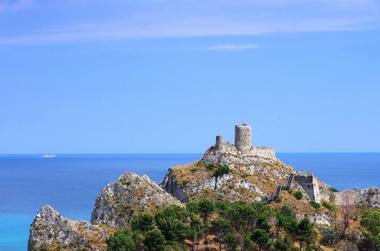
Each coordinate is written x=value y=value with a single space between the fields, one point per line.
x=243 y=137
x=219 y=143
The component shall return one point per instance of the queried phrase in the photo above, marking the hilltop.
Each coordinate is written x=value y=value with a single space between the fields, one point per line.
x=240 y=175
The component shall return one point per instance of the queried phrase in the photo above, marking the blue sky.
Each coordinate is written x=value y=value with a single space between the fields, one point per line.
x=146 y=76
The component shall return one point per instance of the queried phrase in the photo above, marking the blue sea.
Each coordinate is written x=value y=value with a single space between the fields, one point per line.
x=70 y=183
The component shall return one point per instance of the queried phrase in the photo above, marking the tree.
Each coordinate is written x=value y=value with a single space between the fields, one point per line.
x=123 y=240
x=371 y=222
x=206 y=206
x=347 y=213
x=154 y=240
x=144 y=222
x=329 y=237
x=261 y=238
x=223 y=227
x=287 y=221
x=173 y=223
x=305 y=233
x=246 y=217
x=231 y=242
x=197 y=227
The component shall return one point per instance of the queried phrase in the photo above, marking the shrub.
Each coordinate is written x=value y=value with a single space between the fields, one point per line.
x=329 y=237
x=316 y=205
x=261 y=237
x=371 y=222
x=231 y=241
x=334 y=190
x=144 y=222
x=298 y=195
x=154 y=240
x=329 y=206
x=222 y=170
x=123 y=240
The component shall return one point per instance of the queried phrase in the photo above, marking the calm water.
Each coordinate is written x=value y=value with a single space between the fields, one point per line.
x=70 y=183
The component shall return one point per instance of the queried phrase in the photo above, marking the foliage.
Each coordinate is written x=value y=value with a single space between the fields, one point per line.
x=329 y=206
x=329 y=237
x=334 y=190
x=154 y=240
x=222 y=170
x=172 y=221
x=316 y=205
x=123 y=240
x=144 y=222
x=231 y=241
x=298 y=195
x=260 y=237
x=371 y=222
x=234 y=226
x=306 y=234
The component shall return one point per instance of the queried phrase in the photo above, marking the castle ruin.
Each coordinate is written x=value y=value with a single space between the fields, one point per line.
x=310 y=185
x=245 y=152
x=243 y=144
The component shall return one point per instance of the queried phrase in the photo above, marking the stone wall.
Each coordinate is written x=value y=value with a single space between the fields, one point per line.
x=310 y=185
x=233 y=157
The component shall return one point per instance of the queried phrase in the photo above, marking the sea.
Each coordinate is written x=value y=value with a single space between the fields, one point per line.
x=70 y=183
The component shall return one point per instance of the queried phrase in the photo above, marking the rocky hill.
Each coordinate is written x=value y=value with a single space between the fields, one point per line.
x=253 y=176
x=233 y=172
x=114 y=206
x=125 y=198
x=51 y=231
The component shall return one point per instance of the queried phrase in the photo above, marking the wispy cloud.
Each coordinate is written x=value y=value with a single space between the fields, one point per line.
x=233 y=47
x=6 y=5
x=148 y=19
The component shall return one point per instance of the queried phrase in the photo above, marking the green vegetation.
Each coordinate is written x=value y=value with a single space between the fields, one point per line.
x=124 y=240
x=371 y=223
x=221 y=225
x=316 y=205
x=334 y=190
x=329 y=206
x=222 y=170
x=298 y=195
x=219 y=171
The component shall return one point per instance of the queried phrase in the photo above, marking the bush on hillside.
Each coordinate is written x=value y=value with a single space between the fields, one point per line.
x=298 y=195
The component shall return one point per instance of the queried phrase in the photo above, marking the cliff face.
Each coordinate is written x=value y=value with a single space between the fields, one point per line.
x=114 y=206
x=368 y=197
x=253 y=176
x=51 y=231
x=128 y=196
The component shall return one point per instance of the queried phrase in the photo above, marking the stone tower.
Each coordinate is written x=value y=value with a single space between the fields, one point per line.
x=243 y=137
x=219 y=143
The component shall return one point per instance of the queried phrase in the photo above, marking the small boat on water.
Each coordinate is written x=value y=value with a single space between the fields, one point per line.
x=48 y=156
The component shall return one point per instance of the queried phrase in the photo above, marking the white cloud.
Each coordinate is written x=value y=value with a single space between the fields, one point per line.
x=195 y=18
x=233 y=47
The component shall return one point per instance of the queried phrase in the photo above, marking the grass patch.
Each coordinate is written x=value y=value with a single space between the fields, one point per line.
x=329 y=206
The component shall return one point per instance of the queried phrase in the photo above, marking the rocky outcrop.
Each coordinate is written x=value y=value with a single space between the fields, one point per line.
x=128 y=196
x=368 y=197
x=114 y=206
x=250 y=178
x=234 y=158
x=51 y=231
